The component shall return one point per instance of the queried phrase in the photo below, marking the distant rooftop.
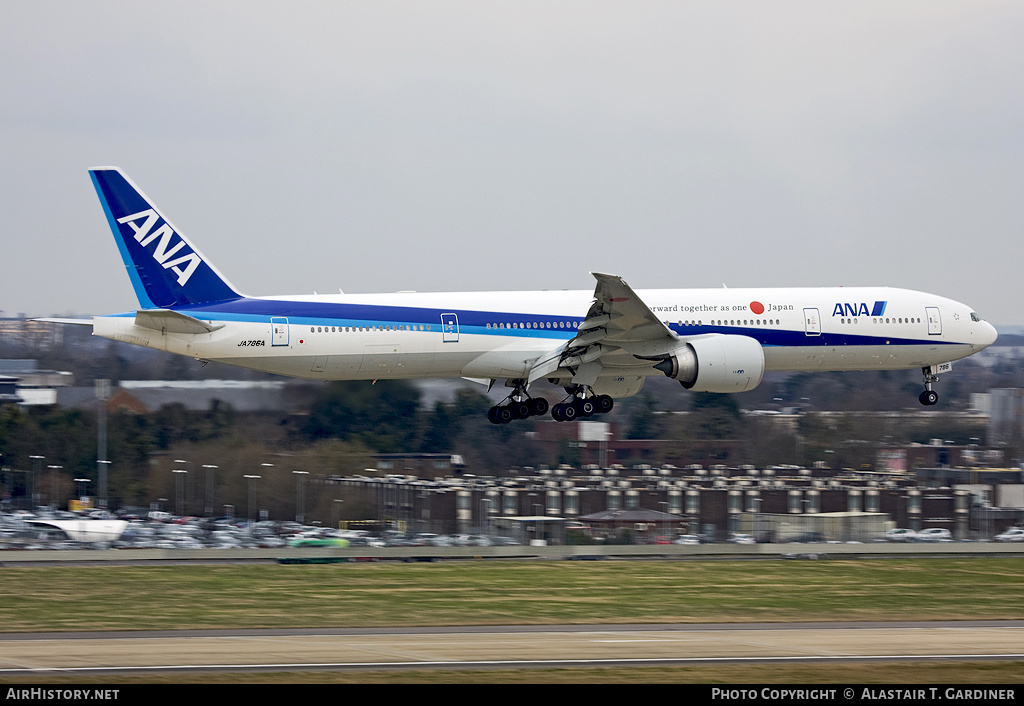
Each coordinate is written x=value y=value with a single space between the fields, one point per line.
x=203 y=384
x=18 y=365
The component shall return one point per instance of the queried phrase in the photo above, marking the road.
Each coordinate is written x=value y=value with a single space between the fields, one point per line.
x=505 y=646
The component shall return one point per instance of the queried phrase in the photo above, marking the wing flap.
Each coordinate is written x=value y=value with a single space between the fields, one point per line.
x=618 y=333
x=622 y=323
x=629 y=319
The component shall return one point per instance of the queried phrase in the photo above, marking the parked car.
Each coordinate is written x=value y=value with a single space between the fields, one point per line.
x=901 y=535
x=742 y=539
x=934 y=534
x=504 y=542
x=1013 y=534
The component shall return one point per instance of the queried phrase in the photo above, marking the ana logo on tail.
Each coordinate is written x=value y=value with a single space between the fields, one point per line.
x=183 y=266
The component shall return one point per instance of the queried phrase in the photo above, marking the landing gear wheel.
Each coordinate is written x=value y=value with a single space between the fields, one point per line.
x=585 y=407
x=604 y=404
x=499 y=414
x=569 y=412
x=538 y=406
x=520 y=410
x=929 y=397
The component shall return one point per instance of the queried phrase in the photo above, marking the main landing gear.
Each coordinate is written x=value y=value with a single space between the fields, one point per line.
x=582 y=407
x=519 y=405
x=929 y=397
x=517 y=409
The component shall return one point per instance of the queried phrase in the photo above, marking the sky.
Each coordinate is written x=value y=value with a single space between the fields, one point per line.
x=447 y=146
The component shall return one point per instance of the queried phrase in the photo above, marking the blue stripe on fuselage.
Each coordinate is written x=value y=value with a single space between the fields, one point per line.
x=305 y=313
x=471 y=322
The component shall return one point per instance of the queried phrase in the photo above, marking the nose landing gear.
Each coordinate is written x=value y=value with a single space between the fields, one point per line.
x=929 y=397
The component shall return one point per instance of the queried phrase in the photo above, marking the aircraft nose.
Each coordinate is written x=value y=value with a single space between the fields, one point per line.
x=988 y=334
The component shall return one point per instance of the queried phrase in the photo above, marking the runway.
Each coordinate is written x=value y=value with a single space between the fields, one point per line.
x=505 y=646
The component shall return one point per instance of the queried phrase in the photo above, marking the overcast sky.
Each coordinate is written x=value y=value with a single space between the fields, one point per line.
x=383 y=146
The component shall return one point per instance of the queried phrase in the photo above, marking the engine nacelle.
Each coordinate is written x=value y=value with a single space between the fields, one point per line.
x=716 y=363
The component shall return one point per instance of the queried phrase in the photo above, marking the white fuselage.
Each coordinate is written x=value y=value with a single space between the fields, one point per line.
x=502 y=334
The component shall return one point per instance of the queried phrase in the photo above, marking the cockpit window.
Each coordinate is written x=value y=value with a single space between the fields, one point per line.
x=975 y=317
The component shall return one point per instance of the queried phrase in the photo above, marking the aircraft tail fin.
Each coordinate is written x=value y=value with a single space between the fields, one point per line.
x=166 y=270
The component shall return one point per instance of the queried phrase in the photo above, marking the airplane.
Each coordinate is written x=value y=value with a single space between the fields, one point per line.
x=597 y=346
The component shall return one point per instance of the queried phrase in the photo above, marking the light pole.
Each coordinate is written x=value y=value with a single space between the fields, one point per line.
x=179 y=490
x=102 y=490
x=190 y=494
x=485 y=521
x=34 y=497
x=758 y=531
x=53 y=485
x=538 y=527
x=300 y=496
x=102 y=464
x=259 y=513
x=80 y=486
x=208 y=509
x=252 y=492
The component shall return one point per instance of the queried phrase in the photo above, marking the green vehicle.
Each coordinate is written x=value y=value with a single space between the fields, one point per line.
x=327 y=542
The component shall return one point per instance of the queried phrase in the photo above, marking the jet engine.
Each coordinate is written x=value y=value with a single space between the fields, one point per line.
x=716 y=363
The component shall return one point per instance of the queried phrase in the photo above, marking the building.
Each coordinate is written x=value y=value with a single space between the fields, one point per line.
x=34 y=386
x=1005 y=409
x=144 y=396
x=780 y=502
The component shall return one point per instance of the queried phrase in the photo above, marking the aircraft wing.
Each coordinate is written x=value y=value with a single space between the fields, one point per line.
x=620 y=332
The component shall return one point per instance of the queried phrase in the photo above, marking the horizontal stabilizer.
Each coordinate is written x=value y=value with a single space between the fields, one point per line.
x=75 y=322
x=167 y=321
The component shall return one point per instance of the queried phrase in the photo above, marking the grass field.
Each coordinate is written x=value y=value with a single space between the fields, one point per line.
x=60 y=598
x=496 y=592
x=903 y=673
